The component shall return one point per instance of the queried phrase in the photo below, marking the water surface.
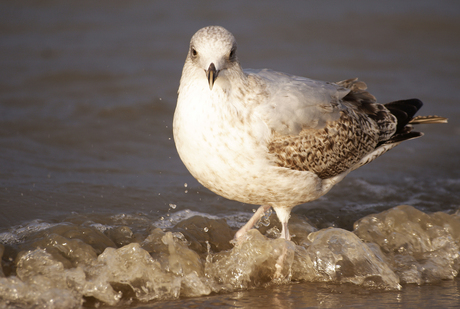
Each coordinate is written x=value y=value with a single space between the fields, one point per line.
x=87 y=97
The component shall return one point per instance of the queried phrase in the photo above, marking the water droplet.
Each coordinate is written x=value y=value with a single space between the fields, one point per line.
x=173 y=206
x=185 y=185
x=206 y=229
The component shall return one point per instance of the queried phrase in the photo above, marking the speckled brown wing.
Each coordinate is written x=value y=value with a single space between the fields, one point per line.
x=334 y=149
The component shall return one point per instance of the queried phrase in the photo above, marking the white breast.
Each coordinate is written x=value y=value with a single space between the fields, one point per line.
x=224 y=148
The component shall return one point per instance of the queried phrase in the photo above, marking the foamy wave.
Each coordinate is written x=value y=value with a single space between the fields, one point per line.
x=192 y=254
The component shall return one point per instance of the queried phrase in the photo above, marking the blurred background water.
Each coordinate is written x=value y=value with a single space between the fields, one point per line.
x=88 y=91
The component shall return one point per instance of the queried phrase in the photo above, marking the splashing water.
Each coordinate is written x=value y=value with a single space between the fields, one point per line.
x=66 y=264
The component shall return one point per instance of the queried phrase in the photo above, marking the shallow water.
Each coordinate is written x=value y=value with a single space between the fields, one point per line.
x=89 y=170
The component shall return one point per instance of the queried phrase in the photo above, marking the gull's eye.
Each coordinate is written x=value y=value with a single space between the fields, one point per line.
x=194 y=52
x=232 y=53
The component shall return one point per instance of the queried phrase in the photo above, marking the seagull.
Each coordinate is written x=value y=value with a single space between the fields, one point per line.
x=277 y=140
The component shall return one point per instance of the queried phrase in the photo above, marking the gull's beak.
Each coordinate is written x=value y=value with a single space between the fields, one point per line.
x=211 y=74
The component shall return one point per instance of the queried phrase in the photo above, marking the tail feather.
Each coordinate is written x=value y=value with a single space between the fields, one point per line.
x=404 y=111
x=428 y=119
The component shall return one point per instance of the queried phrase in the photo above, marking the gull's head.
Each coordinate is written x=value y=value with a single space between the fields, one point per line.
x=212 y=53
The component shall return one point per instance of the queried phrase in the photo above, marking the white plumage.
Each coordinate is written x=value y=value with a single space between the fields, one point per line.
x=273 y=139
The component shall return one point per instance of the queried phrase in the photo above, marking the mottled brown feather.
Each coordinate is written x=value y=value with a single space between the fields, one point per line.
x=334 y=149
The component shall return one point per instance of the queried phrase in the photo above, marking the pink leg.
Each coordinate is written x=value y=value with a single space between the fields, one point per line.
x=250 y=224
x=284 y=213
x=285 y=231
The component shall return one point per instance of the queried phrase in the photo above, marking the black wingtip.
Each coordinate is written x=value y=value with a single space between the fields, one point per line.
x=404 y=111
